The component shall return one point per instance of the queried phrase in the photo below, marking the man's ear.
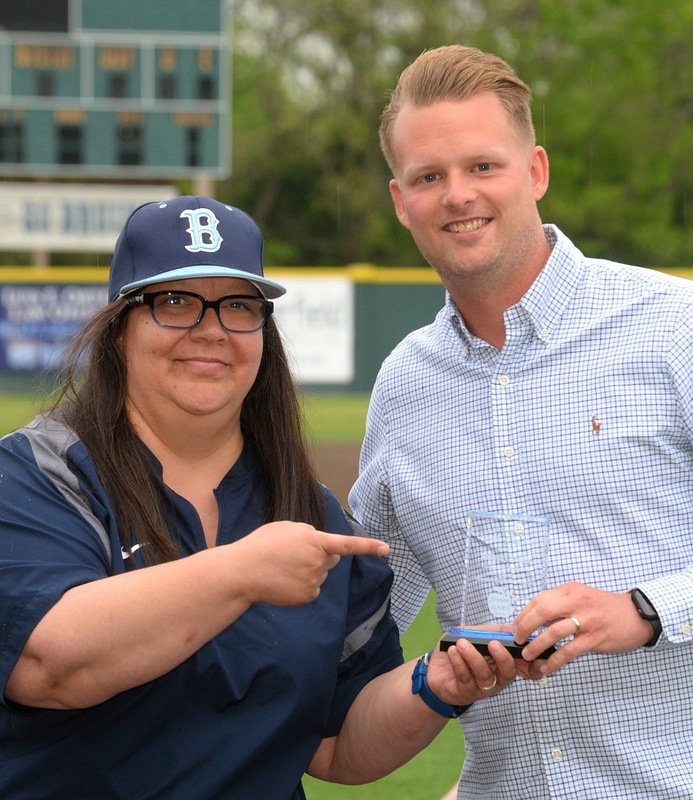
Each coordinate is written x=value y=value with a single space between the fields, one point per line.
x=539 y=169
x=400 y=209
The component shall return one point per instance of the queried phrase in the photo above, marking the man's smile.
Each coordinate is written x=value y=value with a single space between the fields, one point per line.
x=467 y=226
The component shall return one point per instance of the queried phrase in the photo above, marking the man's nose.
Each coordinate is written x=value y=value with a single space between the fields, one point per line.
x=459 y=189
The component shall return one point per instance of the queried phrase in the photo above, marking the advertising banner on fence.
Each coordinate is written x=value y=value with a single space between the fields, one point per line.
x=316 y=318
x=37 y=320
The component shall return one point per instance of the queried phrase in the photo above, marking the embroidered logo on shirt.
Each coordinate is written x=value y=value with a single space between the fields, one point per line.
x=596 y=426
x=124 y=553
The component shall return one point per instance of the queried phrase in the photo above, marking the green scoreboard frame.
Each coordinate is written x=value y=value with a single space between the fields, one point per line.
x=129 y=89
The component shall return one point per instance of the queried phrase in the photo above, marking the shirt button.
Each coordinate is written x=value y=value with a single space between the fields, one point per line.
x=556 y=754
x=519 y=527
x=504 y=380
x=543 y=333
x=509 y=452
x=543 y=681
x=686 y=628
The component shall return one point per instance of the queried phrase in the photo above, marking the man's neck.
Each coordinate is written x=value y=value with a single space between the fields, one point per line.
x=482 y=304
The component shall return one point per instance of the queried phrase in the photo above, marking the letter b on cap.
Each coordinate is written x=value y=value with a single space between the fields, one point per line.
x=203 y=231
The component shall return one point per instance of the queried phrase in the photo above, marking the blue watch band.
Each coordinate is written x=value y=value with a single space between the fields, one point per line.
x=419 y=685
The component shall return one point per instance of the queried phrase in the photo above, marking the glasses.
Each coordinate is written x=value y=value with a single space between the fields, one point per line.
x=237 y=313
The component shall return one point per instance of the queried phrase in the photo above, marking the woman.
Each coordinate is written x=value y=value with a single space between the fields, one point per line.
x=176 y=620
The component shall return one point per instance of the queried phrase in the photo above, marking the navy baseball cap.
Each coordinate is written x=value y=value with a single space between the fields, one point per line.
x=188 y=237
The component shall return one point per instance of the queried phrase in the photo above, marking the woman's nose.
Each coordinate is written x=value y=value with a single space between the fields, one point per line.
x=210 y=323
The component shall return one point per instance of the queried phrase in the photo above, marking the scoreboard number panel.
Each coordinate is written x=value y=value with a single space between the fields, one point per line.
x=125 y=90
x=34 y=15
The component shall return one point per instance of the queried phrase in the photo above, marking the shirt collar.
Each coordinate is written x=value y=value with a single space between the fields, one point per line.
x=549 y=295
x=555 y=286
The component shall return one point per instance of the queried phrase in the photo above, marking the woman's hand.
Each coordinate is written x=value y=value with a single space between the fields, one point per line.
x=462 y=675
x=287 y=562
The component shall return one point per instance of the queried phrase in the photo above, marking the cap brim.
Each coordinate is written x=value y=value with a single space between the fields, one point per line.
x=270 y=289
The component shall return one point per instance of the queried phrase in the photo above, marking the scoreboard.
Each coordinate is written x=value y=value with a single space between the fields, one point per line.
x=128 y=89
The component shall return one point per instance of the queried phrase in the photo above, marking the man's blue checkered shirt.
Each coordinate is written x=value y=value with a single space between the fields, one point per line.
x=585 y=417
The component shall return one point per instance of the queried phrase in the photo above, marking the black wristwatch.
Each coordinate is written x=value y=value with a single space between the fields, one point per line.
x=646 y=611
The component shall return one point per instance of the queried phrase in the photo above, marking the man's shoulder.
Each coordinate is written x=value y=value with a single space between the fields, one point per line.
x=637 y=280
x=418 y=366
x=601 y=271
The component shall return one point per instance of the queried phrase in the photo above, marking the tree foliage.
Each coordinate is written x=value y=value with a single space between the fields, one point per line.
x=613 y=106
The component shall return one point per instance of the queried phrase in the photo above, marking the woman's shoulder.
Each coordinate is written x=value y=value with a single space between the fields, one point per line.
x=47 y=434
x=337 y=518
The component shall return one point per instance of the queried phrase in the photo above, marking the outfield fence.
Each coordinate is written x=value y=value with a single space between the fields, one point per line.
x=339 y=323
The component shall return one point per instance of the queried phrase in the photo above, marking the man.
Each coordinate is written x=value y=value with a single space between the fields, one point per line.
x=550 y=406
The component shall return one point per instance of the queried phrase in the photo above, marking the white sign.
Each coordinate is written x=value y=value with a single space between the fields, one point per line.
x=69 y=217
x=316 y=318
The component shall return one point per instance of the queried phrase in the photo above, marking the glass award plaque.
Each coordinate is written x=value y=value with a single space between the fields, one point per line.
x=504 y=568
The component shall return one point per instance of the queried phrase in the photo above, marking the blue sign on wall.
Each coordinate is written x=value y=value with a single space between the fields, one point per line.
x=37 y=321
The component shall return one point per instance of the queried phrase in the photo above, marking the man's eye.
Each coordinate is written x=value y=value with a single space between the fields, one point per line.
x=429 y=178
x=485 y=167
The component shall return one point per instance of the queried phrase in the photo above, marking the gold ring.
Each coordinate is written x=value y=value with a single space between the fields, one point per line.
x=488 y=688
x=578 y=627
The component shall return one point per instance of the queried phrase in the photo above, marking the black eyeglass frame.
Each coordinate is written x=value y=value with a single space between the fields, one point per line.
x=149 y=298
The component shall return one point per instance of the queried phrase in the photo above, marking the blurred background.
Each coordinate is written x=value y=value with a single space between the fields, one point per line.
x=305 y=82
x=613 y=89
x=273 y=106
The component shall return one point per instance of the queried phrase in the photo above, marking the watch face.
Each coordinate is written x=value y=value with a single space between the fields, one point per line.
x=643 y=605
x=647 y=612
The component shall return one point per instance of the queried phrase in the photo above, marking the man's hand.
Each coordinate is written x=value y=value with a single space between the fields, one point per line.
x=598 y=622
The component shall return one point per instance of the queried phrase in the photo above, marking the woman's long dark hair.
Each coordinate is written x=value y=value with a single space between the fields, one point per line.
x=91 y=399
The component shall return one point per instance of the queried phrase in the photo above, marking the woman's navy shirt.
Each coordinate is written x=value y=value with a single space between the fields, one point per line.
x=241 y=718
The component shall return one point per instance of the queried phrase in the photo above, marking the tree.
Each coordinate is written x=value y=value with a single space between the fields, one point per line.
x=613 y=106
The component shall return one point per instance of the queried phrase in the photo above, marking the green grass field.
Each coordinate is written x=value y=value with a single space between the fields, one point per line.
x=339 y=418
x=16 y=410
x=330 y=418
x=335 y=417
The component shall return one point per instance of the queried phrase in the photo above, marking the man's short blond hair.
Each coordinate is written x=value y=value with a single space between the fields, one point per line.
x=455 y=72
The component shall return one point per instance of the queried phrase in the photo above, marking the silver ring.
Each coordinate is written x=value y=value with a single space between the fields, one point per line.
x=488 y=688
x=578 y=627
